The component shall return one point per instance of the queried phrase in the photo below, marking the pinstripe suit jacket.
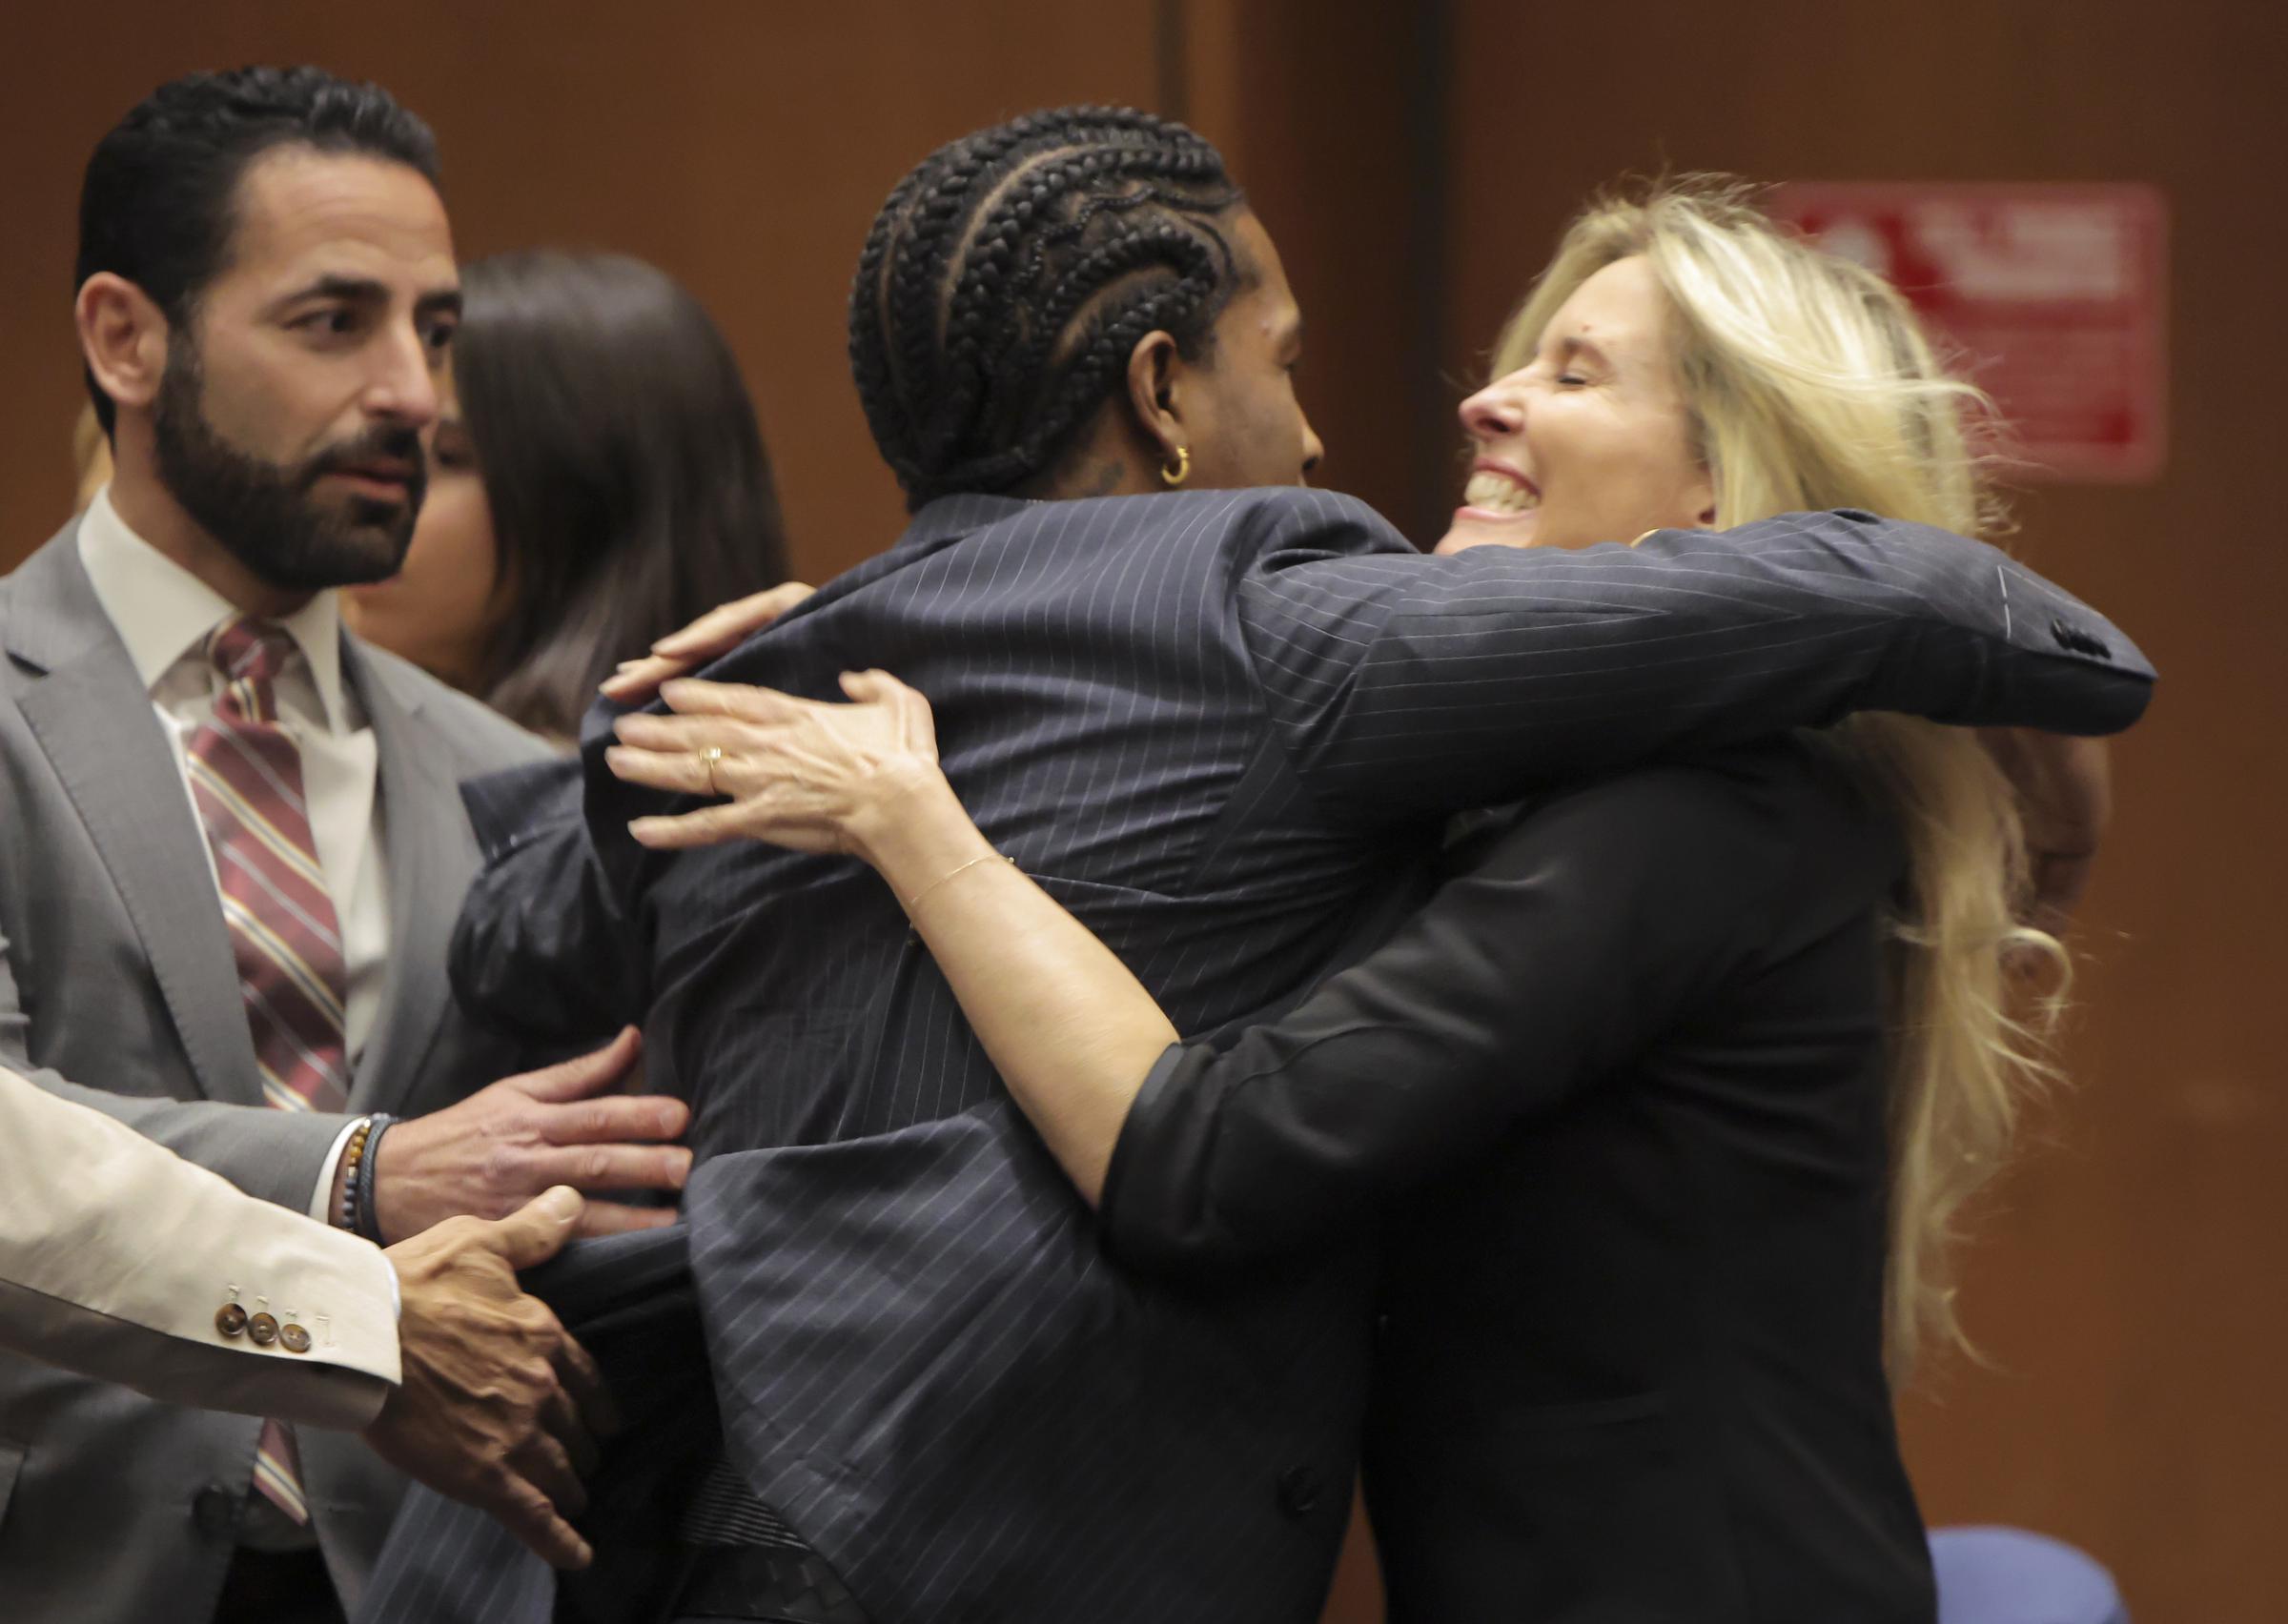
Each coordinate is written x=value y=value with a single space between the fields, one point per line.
x=1212 y=724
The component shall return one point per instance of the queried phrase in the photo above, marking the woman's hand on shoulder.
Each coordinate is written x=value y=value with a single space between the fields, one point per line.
x=709 y=638
x=799 y=773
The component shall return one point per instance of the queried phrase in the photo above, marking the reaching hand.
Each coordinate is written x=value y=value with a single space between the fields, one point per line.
x=497 y=1406
x=711 y=636
x=2066 y=800
x=798 y=773
x=503 y=1144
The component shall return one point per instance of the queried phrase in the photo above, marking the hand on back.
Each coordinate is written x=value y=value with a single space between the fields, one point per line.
x=798 y=773
x=709 y=638
x=498 y=1405
x=489 y=1154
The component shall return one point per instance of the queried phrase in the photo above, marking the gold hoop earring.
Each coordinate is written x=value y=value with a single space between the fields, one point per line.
x=1182 y=471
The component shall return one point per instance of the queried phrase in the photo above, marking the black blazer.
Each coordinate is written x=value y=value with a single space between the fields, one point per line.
x=1624 y=1082
x=1211 y=723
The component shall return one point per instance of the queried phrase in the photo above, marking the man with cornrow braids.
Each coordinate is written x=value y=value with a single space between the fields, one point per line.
x=1220 y=717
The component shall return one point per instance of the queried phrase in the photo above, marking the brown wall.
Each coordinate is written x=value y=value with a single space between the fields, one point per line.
x=2126 y=1291
x=743 y=147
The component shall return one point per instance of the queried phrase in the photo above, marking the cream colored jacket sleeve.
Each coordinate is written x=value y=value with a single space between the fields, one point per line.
x=119 y=1260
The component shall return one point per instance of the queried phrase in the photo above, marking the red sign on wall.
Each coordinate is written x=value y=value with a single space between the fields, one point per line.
x=2053 y=296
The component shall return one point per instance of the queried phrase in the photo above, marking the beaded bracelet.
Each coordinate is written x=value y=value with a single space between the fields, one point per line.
x=368 y=1221
x=353 y=1156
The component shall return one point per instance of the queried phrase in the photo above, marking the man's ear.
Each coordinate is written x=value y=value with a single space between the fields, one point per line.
x=123 y=337
x=1155 y=395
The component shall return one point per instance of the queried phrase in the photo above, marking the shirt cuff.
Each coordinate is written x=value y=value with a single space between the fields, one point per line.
x=1150 y=1157
x=321 y=1199
x=397 y=1291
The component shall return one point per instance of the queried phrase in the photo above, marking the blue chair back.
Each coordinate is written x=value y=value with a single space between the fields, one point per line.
x=2008 y=1575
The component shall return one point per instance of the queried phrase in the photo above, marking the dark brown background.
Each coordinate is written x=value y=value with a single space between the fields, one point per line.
x=1416 y=163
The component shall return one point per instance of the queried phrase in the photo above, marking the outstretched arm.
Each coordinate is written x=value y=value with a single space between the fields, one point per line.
x=1580 y=935
x=122 y=1262
x=1404 y=685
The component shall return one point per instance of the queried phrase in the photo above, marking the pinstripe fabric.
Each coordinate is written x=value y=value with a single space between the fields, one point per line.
x=1212 y=724
x=628 y=1300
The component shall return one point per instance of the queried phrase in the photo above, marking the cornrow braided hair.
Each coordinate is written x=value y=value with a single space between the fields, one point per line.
x=1009 y=276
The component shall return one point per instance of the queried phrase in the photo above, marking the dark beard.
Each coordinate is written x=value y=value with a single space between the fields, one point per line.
x=268 y=514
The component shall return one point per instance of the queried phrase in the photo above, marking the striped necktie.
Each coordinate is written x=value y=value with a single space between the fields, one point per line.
x=246 y=779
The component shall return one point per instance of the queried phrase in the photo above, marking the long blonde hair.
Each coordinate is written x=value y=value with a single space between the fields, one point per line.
x=1809 y=384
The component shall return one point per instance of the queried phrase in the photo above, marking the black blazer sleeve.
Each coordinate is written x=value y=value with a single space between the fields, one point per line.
x=1585 y=935
x=541 y=952
x=1403 y=685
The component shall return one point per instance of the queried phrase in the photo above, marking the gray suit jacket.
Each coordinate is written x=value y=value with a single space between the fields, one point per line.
x=114 y=966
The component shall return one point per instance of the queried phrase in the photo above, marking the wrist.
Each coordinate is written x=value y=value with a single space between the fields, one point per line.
x=384 y=1176
x=360 y=1199
x=915 y=829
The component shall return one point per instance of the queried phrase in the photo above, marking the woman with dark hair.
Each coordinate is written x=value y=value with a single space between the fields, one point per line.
x=600 y=481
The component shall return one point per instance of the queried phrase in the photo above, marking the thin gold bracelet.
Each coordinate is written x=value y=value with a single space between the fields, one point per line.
x=950 y=873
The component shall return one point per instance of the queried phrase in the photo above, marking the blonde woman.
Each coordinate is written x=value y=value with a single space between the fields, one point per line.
x=1667 y=1097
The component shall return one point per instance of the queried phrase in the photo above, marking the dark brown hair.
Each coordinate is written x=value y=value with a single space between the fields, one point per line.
x=155 y=203
x=620 y=454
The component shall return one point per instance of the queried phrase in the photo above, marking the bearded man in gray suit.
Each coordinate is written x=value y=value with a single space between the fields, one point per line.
x=235 y=846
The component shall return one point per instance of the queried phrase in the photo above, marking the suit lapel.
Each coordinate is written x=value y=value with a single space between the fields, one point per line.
x=94 y=717
x=422 y=831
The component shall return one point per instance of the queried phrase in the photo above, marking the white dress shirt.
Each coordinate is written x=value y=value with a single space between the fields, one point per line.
x=163 y=613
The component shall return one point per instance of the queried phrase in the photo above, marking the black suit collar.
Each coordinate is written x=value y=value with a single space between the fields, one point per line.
x=949 y=519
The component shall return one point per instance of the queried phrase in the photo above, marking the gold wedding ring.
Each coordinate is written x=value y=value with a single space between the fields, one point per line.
x=708 y=755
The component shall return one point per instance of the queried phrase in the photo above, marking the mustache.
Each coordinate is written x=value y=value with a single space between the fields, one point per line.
x=383 y=442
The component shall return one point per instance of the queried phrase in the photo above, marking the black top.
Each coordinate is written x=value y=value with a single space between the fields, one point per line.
x=1629 y=1073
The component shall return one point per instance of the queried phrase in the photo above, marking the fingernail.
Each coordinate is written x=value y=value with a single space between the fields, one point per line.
x=562 y=1203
